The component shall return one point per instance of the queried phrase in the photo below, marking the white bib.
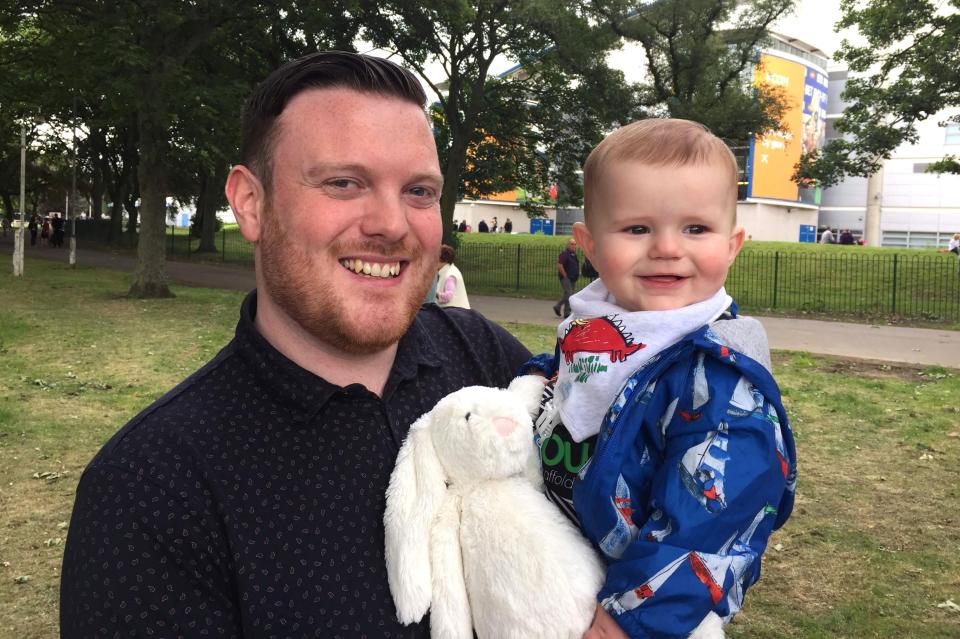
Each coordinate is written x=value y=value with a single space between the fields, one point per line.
x=601 y=345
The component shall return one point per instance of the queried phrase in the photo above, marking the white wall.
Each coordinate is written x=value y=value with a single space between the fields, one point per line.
x=774 y=222
x=473 y=212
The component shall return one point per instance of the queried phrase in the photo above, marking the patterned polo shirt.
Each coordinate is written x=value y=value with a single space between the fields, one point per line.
x=248 y=501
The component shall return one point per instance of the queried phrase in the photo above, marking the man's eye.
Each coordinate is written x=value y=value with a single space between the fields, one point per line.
x=422 y=196
x=342 y=183
x=637 y=230
x=696 y=229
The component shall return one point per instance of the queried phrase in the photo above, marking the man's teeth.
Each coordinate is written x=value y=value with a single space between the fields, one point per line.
x=373 y=269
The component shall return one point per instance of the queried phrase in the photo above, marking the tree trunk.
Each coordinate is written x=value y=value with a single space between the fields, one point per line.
x=116 y=220
x=150 y=276
x=452 y=173
x=133 y=220
x=207 y=210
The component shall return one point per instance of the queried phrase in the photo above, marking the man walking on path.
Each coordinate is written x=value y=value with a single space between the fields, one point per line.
x=568 y=269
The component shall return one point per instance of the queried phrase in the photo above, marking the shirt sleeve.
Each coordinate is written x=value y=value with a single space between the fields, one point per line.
x=445 y=293
x=142 y=561
x=713 y=505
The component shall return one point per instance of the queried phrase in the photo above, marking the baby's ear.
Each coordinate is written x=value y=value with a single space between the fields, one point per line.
x=584 y=238
x=529 y=388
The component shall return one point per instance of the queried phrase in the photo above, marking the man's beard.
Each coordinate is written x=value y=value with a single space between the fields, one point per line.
x=310 y=299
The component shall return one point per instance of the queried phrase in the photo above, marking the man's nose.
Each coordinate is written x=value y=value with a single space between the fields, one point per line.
x=385 y=216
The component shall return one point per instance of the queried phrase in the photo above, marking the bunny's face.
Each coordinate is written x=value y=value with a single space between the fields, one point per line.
x=482 y=433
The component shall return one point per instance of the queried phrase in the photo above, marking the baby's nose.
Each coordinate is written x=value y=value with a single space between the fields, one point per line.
x=504 y=425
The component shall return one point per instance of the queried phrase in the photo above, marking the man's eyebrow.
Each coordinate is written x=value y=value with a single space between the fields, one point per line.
x=324 y=169
x=435 y=178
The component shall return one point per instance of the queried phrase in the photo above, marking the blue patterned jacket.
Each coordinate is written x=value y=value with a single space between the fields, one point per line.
x=693 y=469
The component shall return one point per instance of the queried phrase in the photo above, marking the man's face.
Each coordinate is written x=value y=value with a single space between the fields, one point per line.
x=352 y=230
x=572 y=246
x=663 y=237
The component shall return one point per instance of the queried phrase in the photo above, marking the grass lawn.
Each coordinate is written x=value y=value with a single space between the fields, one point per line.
x=871 y=550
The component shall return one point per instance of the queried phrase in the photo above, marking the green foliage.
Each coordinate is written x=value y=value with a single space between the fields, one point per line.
x=906 y=70
x=699 y=55
x=494 y=134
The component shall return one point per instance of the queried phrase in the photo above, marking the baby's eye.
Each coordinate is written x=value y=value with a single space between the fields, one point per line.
x=696 y=229
x=637 y=230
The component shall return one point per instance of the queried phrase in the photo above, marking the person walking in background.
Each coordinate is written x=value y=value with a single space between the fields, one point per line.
x=827 y=236
x=45 y=232
x=508 y=226
x=482 y=227
x=463 y=226
x=58 y=224
x=568 y=270
x=451 y=290
x=494 y=226
x=33 y=227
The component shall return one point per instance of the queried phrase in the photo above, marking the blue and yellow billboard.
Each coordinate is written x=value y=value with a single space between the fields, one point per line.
x=774 y=154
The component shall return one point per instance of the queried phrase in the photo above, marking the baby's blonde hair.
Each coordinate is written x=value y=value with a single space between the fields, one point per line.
x=657 y=142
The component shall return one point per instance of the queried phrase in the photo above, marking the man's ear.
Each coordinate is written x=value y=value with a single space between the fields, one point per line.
x=736 y=242
x=247 y=199
x=581 y=233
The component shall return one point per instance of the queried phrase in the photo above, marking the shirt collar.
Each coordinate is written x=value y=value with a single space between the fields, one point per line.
x=305 y=393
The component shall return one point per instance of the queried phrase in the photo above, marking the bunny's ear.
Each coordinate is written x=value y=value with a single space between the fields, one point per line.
x=417 y=488
x=529 y=388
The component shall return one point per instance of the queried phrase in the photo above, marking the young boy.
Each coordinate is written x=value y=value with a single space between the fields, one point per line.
x=663 y=434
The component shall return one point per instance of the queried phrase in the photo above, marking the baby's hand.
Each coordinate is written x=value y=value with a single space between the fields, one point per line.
x=604 y=627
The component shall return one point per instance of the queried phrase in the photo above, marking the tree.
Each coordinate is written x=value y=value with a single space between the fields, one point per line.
x=488 y=132
x=141 y=63
x=698 y=54
x=906 y=70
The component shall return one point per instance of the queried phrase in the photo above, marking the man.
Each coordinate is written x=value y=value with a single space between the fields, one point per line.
x=827 y=236
x=568 y=269
x=248 y=501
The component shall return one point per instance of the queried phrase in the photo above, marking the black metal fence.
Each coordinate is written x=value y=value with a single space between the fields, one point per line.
x=861 y=284
x=858 y=284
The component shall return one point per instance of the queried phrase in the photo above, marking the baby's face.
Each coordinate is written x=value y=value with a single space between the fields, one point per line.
x=662 y=237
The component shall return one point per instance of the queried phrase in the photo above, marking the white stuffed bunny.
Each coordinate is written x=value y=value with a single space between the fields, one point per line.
x=469 y=533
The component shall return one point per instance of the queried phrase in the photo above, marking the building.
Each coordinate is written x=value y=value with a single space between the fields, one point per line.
x=918 y=209
x=771 y=206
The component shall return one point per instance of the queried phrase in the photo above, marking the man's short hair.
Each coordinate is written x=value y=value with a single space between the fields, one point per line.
x=656 y=142
x=322 y=70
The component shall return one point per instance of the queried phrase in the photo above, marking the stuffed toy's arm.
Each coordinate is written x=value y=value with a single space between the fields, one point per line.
x=717 y=493
x=450 y=616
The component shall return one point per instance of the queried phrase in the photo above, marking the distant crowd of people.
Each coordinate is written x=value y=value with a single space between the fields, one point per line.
x=842 y=237
x=483 y=227
x=49 y=229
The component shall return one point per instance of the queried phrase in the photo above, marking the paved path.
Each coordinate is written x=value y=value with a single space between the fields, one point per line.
x=865 y=341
